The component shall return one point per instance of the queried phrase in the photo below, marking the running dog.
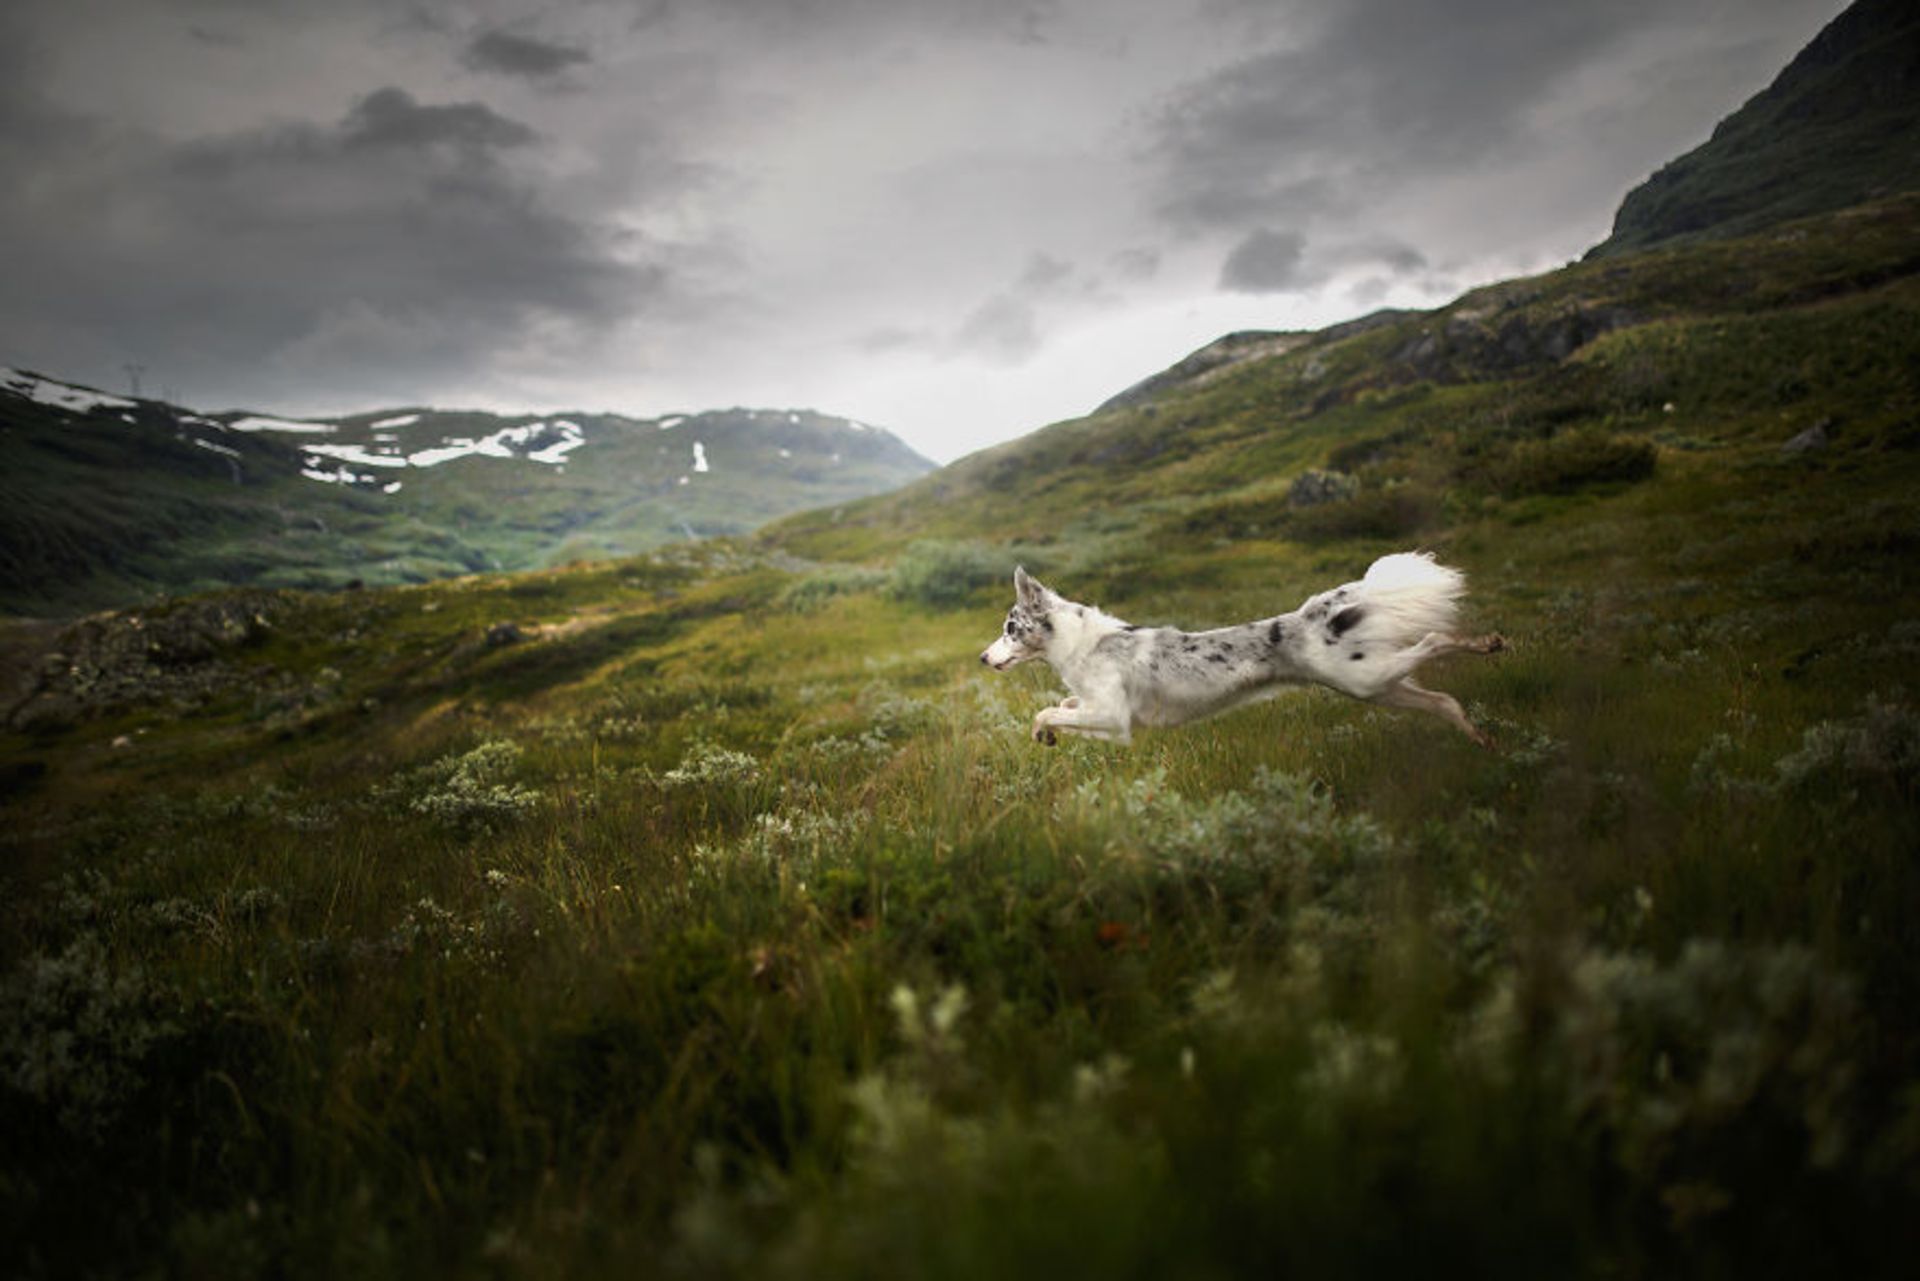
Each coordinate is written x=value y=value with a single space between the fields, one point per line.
x=1364 y=639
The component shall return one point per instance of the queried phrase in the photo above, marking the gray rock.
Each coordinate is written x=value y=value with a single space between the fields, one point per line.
x=1812 y=439
x=1311 y=488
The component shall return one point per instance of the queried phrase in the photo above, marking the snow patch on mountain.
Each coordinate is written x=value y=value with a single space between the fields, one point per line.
x=44 y=391
x=560 y=435
x=341 y=477
x=356 y=454
x=569 y=439
x=255 y=422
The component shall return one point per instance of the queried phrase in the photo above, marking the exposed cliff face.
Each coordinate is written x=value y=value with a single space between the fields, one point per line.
x=1840 y=125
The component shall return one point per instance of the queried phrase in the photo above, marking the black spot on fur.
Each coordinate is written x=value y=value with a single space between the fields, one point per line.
x=1356 y=656
x=1345 y=621
x=1218 y=656
x=1276 y=635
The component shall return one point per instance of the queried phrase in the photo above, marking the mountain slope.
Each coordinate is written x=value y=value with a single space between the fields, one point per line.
x=104 y=499
x=1840 y=125
x=1502 y=400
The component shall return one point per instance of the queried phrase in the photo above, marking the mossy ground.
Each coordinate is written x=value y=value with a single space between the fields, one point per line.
x=730 y=923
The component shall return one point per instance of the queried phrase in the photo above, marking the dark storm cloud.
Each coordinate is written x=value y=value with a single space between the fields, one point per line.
x=1136 y=265
x=1269 y=262
x=391 y=118
x=1003 y=330
x=1021 y=21
x=1378 y=92
x=1044 y=274
x=1266 y=262
x=1371 y=96
x=1007 y=328
x=1395 y=257
x=360 y=258
x=504 y=53
x=890 y=338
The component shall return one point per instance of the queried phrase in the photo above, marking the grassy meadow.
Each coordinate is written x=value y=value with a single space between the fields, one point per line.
x=721 y=919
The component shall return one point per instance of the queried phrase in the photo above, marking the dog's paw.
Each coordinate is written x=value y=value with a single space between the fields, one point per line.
x=1492 y=643
x=1044 y=735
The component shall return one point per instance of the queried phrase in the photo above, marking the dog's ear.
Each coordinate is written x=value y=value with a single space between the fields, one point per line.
x=1028 y=588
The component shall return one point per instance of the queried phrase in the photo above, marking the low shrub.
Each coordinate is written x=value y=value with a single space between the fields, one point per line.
x=473 y=791
x=805 y=595
x=943 y=574
x=1568 y=462
x=1390 y=512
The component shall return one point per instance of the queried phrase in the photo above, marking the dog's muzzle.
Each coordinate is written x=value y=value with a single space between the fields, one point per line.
x=1000 y=656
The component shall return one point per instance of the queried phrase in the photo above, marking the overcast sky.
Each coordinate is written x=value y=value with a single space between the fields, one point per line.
x=961 y=219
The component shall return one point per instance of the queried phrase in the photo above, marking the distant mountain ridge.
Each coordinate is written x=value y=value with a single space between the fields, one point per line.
x=1838 y=126
x=105 y=498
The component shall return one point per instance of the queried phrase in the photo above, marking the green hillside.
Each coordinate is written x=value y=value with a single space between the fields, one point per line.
x=711 y=913
x=1840 y=125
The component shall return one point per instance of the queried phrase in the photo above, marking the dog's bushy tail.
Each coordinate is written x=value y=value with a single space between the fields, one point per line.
x=1408 y=594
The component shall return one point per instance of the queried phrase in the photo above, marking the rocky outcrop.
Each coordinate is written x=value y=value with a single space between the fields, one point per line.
x=1498 y=337
x=1236 y=349
x=177 y=654
x=1221 y=353
x=1314 y=487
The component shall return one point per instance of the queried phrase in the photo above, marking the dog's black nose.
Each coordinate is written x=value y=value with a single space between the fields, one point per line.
x=983 y=655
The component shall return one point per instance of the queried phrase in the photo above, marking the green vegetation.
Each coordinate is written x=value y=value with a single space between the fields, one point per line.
x=712 y=914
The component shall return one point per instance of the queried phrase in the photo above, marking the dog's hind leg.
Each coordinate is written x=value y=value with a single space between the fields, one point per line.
x=1372 y=672
x=1420 y=699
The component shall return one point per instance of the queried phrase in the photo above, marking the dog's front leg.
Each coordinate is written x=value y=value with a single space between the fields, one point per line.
x=1044 y=734
x=1075 y=717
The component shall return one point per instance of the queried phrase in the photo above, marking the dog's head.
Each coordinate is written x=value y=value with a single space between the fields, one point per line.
x=1028 y=628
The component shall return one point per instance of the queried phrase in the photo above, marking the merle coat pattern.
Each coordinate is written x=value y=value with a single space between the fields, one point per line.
x=1364 y=639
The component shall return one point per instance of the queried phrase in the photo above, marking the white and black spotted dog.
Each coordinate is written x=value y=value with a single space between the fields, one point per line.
x=1364 y=639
